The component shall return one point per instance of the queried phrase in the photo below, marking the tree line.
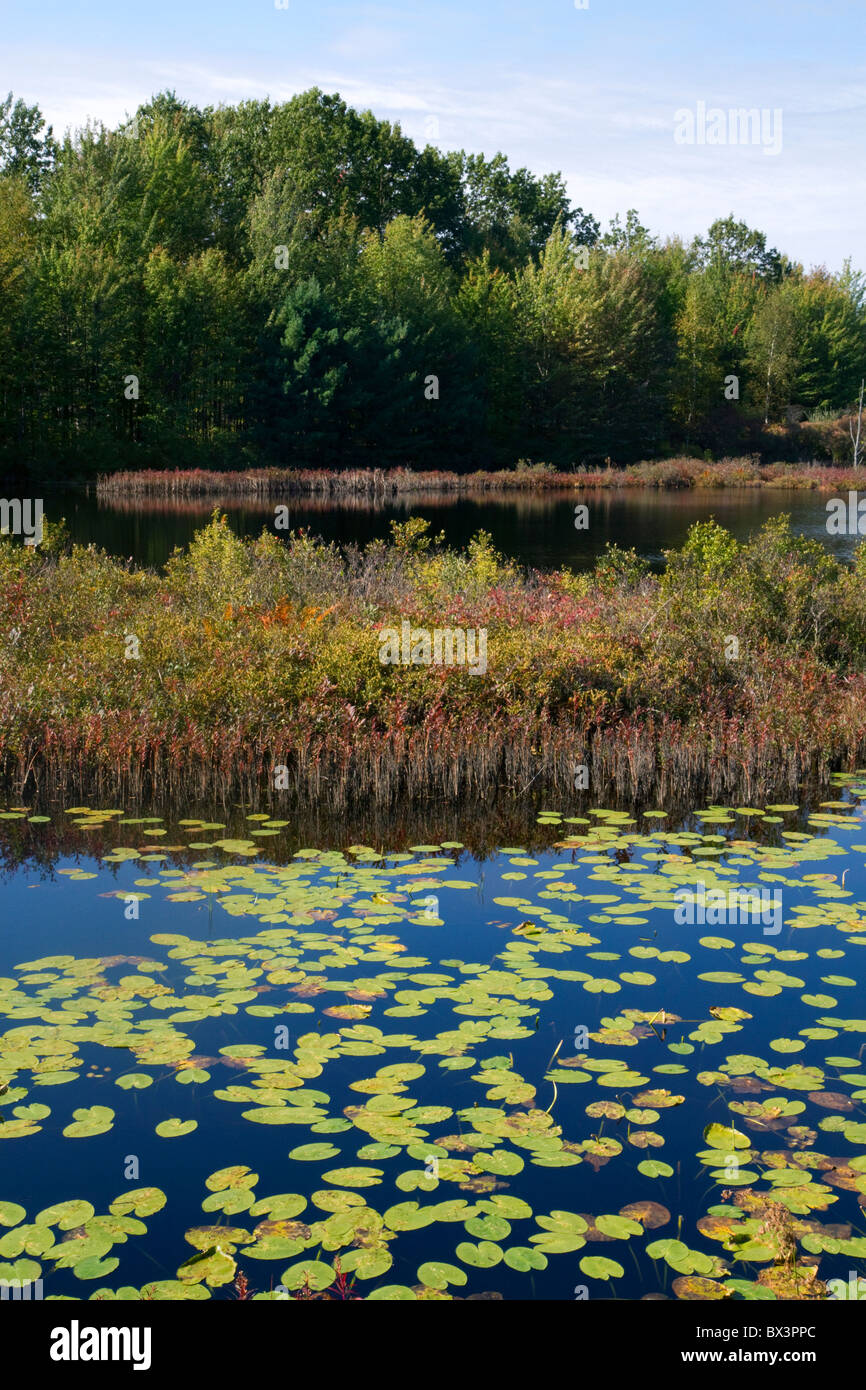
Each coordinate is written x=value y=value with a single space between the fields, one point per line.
x=301 y=284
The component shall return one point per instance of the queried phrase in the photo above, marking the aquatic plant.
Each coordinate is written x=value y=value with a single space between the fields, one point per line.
x=426 y=1071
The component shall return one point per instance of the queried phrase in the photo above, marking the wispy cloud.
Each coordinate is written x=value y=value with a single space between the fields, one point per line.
x=599 y=107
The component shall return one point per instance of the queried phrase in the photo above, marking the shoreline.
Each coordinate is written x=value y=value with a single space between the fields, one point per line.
x=633 y=762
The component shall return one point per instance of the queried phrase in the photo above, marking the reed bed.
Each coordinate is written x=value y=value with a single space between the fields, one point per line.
x=634 y=762
x=383 y=484
x=311 y=482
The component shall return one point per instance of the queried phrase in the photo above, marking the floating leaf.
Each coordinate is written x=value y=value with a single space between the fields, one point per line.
x=354 y=1177
x=143 y=1201
x=11 y=1213
x=654 y=1168
x=523 y=1258
x=174 y=1128
x=90 y=1120
x=314 y=1153
x=725 y=1137
x=619 y=1227
x=598 y=1267
x=66 y=1215
x=438 y=1275
x=213 y=1267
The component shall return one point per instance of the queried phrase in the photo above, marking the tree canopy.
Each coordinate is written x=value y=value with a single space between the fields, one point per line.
x=301 y=283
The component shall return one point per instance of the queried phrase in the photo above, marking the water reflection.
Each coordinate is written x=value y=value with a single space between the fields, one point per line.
x=535 y=529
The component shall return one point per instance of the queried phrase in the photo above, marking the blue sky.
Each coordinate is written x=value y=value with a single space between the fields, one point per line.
x=592 y=92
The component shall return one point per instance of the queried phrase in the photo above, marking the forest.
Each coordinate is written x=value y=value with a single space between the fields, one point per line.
x=300 y=284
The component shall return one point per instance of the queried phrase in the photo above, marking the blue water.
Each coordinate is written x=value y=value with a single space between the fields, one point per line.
x=45 y=913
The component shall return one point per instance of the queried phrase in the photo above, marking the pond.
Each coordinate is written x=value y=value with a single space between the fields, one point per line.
x=579 y=1064
x=535 y=529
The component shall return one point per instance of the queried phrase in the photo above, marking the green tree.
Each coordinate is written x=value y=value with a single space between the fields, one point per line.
x=831 y=348
x=631 y=236
x=288 y=244
x=733 y=246
x=712 y=330
x=301 y=279
x=596 y=354
x=404 y=278
x=512 y=214
x=342 y=383
x=18 y=236
x=195 y=358
x=25 y=151
x=486 y=303
x=771 y=345
x=344 y=161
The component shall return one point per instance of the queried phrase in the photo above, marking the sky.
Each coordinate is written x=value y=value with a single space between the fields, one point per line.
x=597 y=93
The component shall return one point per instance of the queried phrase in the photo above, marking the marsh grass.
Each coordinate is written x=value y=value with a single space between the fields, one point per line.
x=378 y=483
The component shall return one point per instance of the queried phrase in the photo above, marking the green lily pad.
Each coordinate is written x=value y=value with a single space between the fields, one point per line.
x=563 y=1231
x=234 y=1177
x=725 y=1137
x=314 y=1153
x=174 y=1128
x=367 y=1263
x=436 y=1274
x=523 y=1258
x=95 y=1268
x=654 y=1168
x=619 y=1227
x=484 y=1255
x=213 y=1267
x=143 y=1201
x=501 y=1162
x=599 y=1267
x=90 y=1120
x=11 y=1213
x=354 y=1177
x=314 y=1274
x=66 y=1215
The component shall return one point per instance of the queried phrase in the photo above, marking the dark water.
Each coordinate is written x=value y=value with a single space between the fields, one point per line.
x=535 y=530
x=566 y=937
